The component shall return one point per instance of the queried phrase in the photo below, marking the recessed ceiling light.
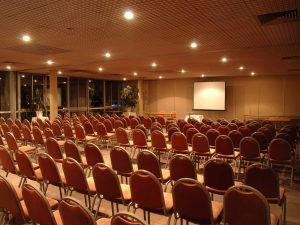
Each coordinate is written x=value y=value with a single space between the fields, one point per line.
x=65 y=82
x=26 y=38
x=224 y=59
x=59 y=72
x=8 y=67
x=35 y=81
x=182 y=71
x=153 y=64
x=135 y=73
x=23 y=76
x=194 y=45
x=0 y=78
x=25 y=85
x=252 y=73
x=100 y=69
x=107 y=55
x=49 y=62
x=128 y=14
x=124 y=78
x=160 y=77
x=241 y=68
x=90 y=81
x=202 y=75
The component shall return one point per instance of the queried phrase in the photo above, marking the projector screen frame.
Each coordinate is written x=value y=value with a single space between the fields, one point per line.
x=209 y=109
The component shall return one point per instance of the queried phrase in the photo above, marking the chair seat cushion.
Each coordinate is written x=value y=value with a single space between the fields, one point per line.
x=126 y=192
x=27 y=148
x=165 y=175
x=57 y=217
x=91 y=184
x=217 y=208
x=168 y=201
x=103 y=221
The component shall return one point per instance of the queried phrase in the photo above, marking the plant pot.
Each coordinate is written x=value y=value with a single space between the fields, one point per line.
x=39 y=113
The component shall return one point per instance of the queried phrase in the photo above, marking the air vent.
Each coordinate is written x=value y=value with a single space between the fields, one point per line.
x=11 y=62
x=294 y=70
x=293 y=57
x=278 y=17
x=38 y=49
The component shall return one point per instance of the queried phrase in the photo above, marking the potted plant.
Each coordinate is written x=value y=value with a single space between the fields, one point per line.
x=39 y=103
x=129 y=97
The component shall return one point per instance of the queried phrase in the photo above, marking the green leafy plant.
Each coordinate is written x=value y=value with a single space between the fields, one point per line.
x=38 y=101
x=129 y=96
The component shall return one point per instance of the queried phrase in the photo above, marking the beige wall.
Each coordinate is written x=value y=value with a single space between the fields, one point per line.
x=255 y=96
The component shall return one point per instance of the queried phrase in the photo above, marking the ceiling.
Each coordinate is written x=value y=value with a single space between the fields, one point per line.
x=261 y=35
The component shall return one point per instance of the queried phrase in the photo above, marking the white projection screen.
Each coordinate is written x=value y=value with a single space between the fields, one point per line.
x=209 y=95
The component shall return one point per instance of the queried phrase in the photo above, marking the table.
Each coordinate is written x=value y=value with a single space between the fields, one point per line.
x=42 y=118
x=163 y=114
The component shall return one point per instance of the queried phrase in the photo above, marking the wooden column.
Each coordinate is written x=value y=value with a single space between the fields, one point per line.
x=53 y=96
x=11 y=88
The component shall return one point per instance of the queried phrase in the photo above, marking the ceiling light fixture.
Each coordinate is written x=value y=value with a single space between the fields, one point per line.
x=49 y=62
x=100 y=69
x=160 y=77
x=23 y=76
x=107 y=55
x=202 y=75
x=59 y=72
x=128 y=14
x=194 y=45
x=35 y=81
x=124 y=79
x=241 y=68
x=135 y=73
x=252 y=73
x=26 y=38
x=153 y=64
x=8 y=67
x=224 y=59
x=182 y=71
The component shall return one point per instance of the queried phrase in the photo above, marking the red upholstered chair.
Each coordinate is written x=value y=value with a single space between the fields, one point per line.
x=200 y=148
x=133 y=123
x=93 y=155
x=172 y=130
x=5 y=128
x=7 y=162
x=68 y=132
x=161 y=120
x=81 y=135
x=261 y=138
x=223 y=129
x=204 y=129
x=103 y=136
x=39 y=141
x=212 y=135
x=123 y=138
x=89 y=129
x=18 y=123
x=155 y=201
x=267 y=132
x=193 y=203
x=28 y=138
x=53 y=149
x=51 y=174
x=232 y=126
x=181 y=124
x=179 y=144
x=13 y=146
x=236 y=138
x=126 y=218
x=108 y=187
x=118 y=123
x=121 y=162
x=218 y=176
x=225 y=149
x=159 y=144
x=139 y=141
x=17 y=133
x=245 y=131
x=186 y=127
x=198 y=125
x=147 y=122
x=73 y=212
x=215 y=125
x=245 y=205
x=280 y=154
x=190 y=134
x=252 y=127
x=72 y=151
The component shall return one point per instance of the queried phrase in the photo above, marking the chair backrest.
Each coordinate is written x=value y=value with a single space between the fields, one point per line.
x=24 y=164
x=182 y=166
x=249 y=148
x=223 y=129
x=37 y=205
x=126 y=218
x=267 y=132
x=158 y=140
x=5 y=128
x=37 y=135
x=93 y=154
x=142 y=128
x=72 y=151
x=212 y=135
x=232 y=126
x=155 y=127
x=147 y=160
x=48 y=133
x=79 y=132
x=215 y=125
x=186 y=127
x=74 y=212
x=179 y=142
x=235 y=137
x=53 y=149
x=142 y=182
x=252 y=127
x=171 y=124
x=49 y=169
x=190 y=134
x=10 y=122
x=107 y=182
x=68 y=131
x=120 y=161
x=245 y=205
x=16 y=131
x=108 y=125
x=264 y=179
x=88 y=128
x=27 y=123
x=133 y=123
x=198 y=125
x=11 y=142
x=181 y=124
x=101 y=129
x=224 y=145
x=147 y=122
x=122 y=136
x=9 y=199
x=261 y=139
x=139 y=138
x=200 y=144
x=280 y=151
x=161 y=120
x=171 y=131
x=26 y=133
x=245 y=131
x=192 y=202
x=218 y=175
x=118 y=123
x=6 y=161
x=204 y=128
x=75 y=176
